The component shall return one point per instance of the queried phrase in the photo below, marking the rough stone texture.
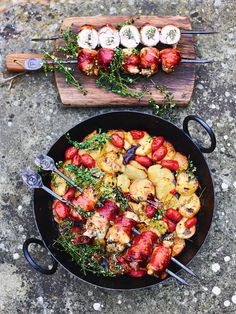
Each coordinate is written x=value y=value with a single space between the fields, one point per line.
x=32 y=119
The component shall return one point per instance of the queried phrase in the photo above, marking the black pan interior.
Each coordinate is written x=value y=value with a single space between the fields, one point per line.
x=127 y=121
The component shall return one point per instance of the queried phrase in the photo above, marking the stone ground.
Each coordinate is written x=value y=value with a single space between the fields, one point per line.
x=32 y=118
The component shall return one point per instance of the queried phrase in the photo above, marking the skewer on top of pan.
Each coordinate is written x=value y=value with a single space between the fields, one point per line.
x=129 y=36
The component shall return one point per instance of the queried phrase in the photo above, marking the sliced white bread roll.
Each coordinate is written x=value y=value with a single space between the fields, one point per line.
x=109 y=37
x=87 y=37
x=150 y=35
x=170 y=35
x=129 y=36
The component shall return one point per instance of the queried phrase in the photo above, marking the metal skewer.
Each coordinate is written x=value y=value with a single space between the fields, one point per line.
x=47 y=38
x=174 y=260
x=34 y=181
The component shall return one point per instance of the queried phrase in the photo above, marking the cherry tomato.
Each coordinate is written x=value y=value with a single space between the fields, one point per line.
x=61 y=210
x=87 y=161
x=159 y=154
x=170 y=224
x=120 y=259
x=71 y=152
x=150 y=211
x=137 y=273
x=157 y=142
x=190 y=222
x=69 y=194
x=173 y=214
x=75 y=230
x=173 y=191
x=137 y=134
x=117 y=140
x=76 y=160
x=170 y=164
x=143 y=160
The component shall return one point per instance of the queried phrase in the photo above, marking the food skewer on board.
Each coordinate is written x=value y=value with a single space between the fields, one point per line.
x=108 y=211
x=47 y=163
x=128 y=36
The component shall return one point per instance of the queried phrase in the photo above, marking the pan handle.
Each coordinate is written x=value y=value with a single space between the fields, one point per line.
x=206 y=127
x=32 y=262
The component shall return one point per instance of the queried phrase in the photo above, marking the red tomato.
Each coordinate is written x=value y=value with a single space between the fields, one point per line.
x=150 y=211
x=190 y=222
x=76 y=160
x=157 y=142
x=173 y=214
x=117 y=140
x=120 y=259
x=87 y=161
x=75 y=230
x=170 y=164
x=170 y=224
x=69 y=194
x=137 y=134
x=159 y=154
x=137 y=273
x=173 y=191
x=61 y=210
x=71 y=152
x=143 y=160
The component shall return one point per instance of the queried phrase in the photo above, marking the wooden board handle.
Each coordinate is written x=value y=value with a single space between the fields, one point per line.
x=15 y=62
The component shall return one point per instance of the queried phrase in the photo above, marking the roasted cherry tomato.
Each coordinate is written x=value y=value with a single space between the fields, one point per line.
x=173 y=191
x=157 y=142
x=75 y=230
x=173 y=215
x=137 y=273
x=159 y=154
x=143 y=160
x=150 y=211
x=76 y=160
x=69 y=194
x=120 y=259
x=71 y=152
x=190 y=222
x=61 y=210
x=87 y=161
x=170 y=164
x=170 y=224
x=136 y=134
x=117 y=140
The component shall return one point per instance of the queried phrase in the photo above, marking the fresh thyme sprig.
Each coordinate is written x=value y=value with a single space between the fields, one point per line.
x=158 y=215
x=116 y=80
x=119 y=197
x=60 y=67
x=86 y=256
x=71 y=46
x=96 y=142
x=165 y=109
x=191 y=169
x=127 y=22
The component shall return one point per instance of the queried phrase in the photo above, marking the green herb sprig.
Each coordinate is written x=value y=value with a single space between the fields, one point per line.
x=165 y=109
x=96 y=142
x=158 y=215
x=71 y=46
x=86 y=256
x=116 y=80
x=191 y=169
x=127 y=22
x=60 y=67
x=119 y=197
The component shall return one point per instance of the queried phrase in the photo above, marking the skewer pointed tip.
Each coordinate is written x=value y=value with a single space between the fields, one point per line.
x=181 y=280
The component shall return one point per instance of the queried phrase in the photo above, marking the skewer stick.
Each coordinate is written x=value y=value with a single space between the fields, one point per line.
x=181 y=280
x=47 y=38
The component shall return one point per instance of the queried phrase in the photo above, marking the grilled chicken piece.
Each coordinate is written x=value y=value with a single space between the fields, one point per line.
x=170 y=35
x=170 y=57
x=150 y=35
x=109 y=37
x=142 y=247
x=129 y=36
x=97 y=225
x=149 y=58
x=131 y=61
x=87 y=61
x=104 y=58
x=159 y=260
x=87 y=37
x=86 y=200
x=120 y=233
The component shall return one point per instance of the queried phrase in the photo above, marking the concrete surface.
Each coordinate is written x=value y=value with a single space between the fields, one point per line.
x=32 y=119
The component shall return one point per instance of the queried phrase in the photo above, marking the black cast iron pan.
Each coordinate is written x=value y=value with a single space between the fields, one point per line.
x=126 y=120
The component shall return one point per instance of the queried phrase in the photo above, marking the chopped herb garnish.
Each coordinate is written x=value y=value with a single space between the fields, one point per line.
x=96 y=142
x=121 y=199
x=158 y=215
